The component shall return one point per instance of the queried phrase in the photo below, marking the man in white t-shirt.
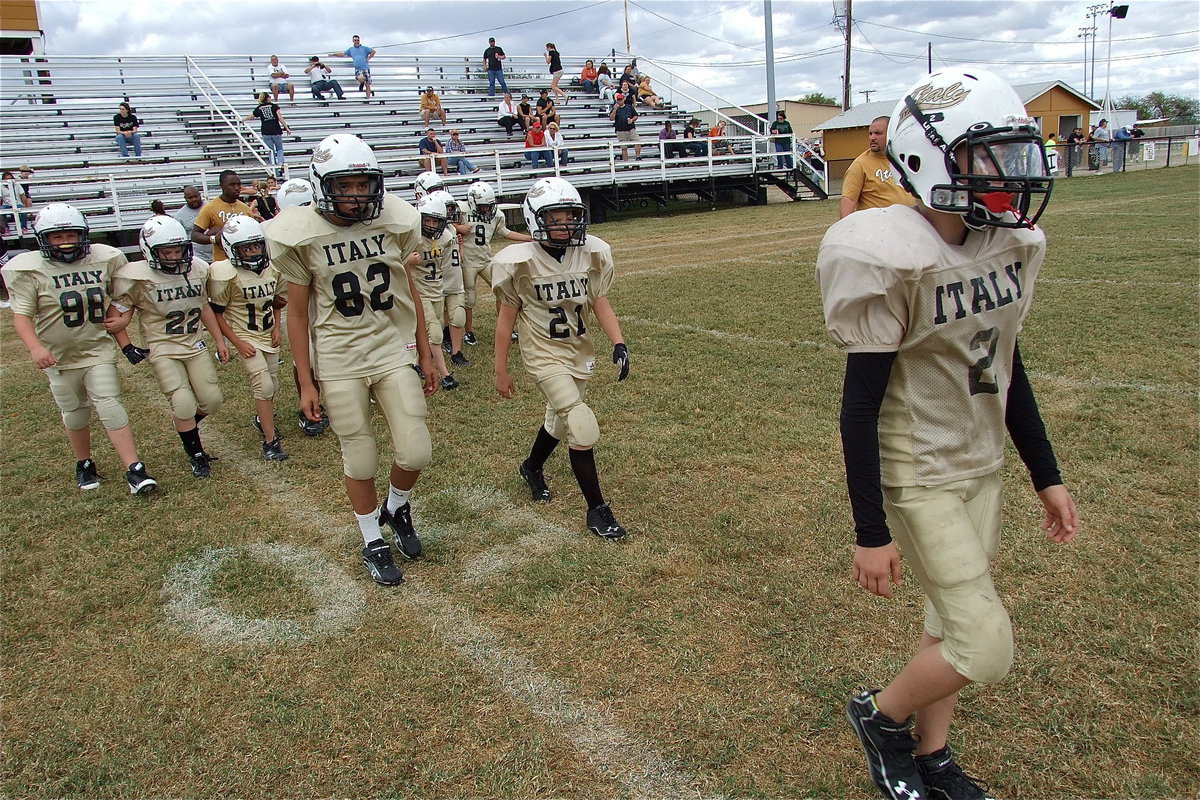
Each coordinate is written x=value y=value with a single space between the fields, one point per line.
x=279 y=79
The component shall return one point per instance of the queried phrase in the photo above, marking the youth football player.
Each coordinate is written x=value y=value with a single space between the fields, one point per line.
x=928 y=302
x=344 y=263
x=59 y=296
x=242 y=293
x=168 y=290
x=548 y=288
x=481 y=224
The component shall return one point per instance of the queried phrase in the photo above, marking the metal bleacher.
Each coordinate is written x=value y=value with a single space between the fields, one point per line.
x=58 y=120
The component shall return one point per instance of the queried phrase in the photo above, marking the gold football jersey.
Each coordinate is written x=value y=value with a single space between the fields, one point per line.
x=168 y=307
x=477 y=245
x=247 y=298
x=438 y=260
x=67 y=302
x=361 y=309
x=554 y=302
x=951 y=314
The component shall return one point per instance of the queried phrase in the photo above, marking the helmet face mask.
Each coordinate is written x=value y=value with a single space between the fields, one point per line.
x=555 y=214
x=346 y=180
x=963 y=144
x=244 y=243
x=166 y=246
x=58 y=218
x=481 y=199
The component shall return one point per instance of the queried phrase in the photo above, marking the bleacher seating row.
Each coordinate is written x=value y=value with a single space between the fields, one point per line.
x=58 y=120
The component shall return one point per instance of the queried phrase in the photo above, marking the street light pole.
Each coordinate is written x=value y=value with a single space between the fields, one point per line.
x=1093 y=12
x=1114 y=12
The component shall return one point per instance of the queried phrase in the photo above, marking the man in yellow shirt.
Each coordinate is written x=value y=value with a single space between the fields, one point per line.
x=871 y=182
x=215 y=213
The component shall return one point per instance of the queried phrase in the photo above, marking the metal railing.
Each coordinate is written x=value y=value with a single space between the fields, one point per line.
x=221 y=109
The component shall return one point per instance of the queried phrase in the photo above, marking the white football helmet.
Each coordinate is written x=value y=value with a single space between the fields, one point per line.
x=963 y=143
x=343 y=156
x=434 y=219
x=160 y=233
x=295 y=192
x=427 y=183
x=481 y=199
x=61 y=217
x=555 y=194
x=241 y=233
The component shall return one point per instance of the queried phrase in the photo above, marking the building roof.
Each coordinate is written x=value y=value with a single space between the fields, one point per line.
x=861 y=116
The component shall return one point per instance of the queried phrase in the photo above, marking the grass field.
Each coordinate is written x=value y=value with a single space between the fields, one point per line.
x=220 y=639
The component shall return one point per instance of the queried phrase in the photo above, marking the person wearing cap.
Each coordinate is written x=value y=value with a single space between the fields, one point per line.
x=525 y=113
x=431 y=106
x=1103 y=137
x=557 y=143
x=624 y=117
x=319 y=75
x=430 y=147
x=492 y=58
x=457 y=155
x=26 y=172
x=535 y=146
x=546 y=110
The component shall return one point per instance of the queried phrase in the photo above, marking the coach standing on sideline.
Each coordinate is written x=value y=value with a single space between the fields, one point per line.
x=870 y=182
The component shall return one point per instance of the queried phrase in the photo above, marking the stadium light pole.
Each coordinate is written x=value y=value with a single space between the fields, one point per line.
x=1085 y=33
x=1114 y=12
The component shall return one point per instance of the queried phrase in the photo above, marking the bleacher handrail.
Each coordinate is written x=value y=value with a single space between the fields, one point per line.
x=234 y=124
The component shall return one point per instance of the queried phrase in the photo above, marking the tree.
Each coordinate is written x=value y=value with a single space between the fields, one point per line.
x=818 y=99
x=1176 y=109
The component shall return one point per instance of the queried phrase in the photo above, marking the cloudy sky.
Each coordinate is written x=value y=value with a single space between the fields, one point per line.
x=716 y=44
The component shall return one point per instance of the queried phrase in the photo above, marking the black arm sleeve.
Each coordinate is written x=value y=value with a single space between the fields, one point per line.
x=862 y=395
x=1027 y=430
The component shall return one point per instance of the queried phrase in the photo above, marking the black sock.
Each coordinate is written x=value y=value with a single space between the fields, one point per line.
x=583 y=464
x=543 y=446
x=199 y=416
x=191 y=442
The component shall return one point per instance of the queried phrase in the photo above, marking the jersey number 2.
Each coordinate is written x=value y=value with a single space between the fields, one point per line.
x=560 y=326
x=979 y=378
x=347 y=291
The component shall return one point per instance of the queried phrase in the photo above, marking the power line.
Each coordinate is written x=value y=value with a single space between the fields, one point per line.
x=1004 y=41
x=495 y=28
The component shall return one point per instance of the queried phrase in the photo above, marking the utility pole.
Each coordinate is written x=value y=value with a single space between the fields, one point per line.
x=1085 y=33
x=770 y=40
x=1114 y=12
x=867 y=92
x=845 y=23
x=1093 y=12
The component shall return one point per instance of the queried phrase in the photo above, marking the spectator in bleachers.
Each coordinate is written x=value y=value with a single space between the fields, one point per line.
x=646 y=93
x=361 y=55
x=431 y=106
x=782 y=129
x=492 y=58
x=604 y=82
x=12 y=198
x=554 y=61
x=628 y=75
x=667 y=135
x=429 y=147
x=535 y=146
x=211 y=219
x=187 y=214
x=589 y=76
x=158 y=209
x=26 y=172
x=720 y=144
x=546 y=110
x=557 y=142
x=126 y=124
x=508 y=116
x=525 y=113
x=319 y=74
x=457 y=155
x=624 y=117
x=279 y=79
x=263 y=202
x=273 y=126
x=696 y=147
x=628 y=92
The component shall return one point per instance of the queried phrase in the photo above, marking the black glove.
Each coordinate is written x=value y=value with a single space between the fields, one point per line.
x=621 y=356
x=135 y=354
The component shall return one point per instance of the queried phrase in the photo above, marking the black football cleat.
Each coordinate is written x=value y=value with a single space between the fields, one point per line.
x=201 y=465
x=888 y=746
x=273 y=450
x=539 y=492
x=602 y=522
x=377 y=558
x=86 y=476
x=139 y=482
